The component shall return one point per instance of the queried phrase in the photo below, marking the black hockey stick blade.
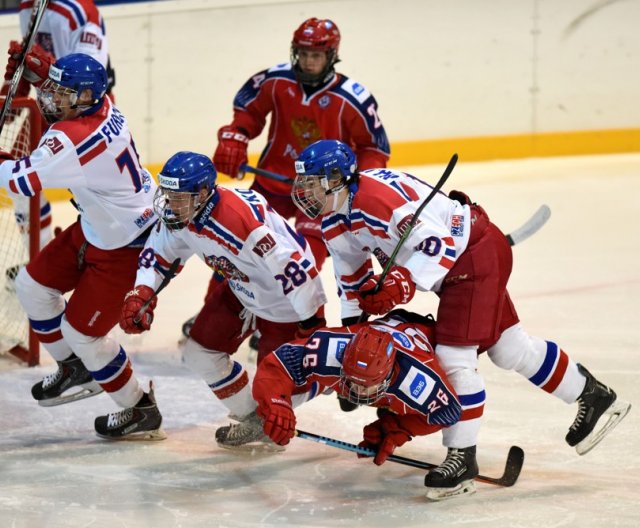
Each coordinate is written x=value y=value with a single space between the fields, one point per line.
x=267 y=174
x=531 y=226
x=513 y=466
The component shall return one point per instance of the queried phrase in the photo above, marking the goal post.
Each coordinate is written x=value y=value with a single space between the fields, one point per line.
x=19 y=237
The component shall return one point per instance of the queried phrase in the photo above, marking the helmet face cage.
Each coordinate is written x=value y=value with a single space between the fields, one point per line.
x=315 y=35
x=367 y=366
x=54 y=100
x=176 y=209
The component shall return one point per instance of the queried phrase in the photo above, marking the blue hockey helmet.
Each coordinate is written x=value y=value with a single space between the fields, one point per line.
x=323 y=168
x=186 y=182
x=68 y=78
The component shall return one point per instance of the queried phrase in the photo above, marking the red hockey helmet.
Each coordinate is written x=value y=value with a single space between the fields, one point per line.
x=317 y=35
x=367 y=365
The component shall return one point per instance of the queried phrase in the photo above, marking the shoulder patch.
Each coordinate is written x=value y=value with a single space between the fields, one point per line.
x=359 y=92
x=417 y=386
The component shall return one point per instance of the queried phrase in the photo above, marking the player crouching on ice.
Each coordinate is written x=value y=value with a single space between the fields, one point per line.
x=387 y=363
x=88 y=149
x=266 y=275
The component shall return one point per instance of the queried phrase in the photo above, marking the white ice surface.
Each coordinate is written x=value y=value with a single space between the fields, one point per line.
x=576 y=282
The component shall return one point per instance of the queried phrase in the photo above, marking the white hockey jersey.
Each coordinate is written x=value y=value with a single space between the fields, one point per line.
x=269 y=267
x=95 y=158
x=69 y=26
x=372 y=223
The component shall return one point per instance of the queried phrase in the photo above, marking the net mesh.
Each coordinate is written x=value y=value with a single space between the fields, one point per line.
x=18 y=138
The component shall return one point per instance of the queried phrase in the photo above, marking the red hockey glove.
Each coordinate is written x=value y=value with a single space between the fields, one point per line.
x=397 y=288
x=309 y=326
x=279 y=419
x=231 y=152
x=133 y=302
x=36 y=63
x=383 y=436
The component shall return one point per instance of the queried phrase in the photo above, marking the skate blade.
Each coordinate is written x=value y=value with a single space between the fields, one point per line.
x=615 y=413
x=139 y=436
x=264 y=446
x=86 y=391
x=466 y=487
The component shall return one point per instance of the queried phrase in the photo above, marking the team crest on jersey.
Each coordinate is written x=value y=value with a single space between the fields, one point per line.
x=417 y=386
x=53 y=145
x=264 y=245
x=324 y=101
x=404 y=223
x=224 y=268
x=457 y=225
x=306 y=131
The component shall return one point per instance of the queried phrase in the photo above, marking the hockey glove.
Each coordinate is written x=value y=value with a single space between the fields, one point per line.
x=279 y=419
x=383 y=436
x=309 y=326
x=231 y=152
x=36 y=63
x=133 y=302
x=397 y=288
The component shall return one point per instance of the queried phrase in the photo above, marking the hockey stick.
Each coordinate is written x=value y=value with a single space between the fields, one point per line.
x=513 y=466
x=409 y=228
x=17 y=75
x=171 y=273
x=267 y=174
x=531 y=226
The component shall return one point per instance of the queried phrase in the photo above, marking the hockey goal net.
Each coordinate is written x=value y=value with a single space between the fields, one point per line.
x=20 y=135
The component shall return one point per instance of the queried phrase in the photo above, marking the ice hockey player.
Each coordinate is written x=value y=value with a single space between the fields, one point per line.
x=266 y=279
x=88 y=149
x=457 y=252
x=386 y=363
x=67 y=26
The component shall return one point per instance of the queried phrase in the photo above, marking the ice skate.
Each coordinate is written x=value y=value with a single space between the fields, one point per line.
x=599 y=406
x=140 y=422
x=186 y=329
x=246 y=435
x=52 y=390
x=454 y=476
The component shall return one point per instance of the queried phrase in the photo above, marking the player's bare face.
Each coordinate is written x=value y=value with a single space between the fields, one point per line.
x=312 y=61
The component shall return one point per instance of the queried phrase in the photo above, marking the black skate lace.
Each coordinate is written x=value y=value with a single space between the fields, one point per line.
x=451 y=463
x=51 y=379
x=119 y=418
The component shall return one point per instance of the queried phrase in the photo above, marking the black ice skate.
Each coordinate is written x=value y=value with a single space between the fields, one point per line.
x=246 y=435
x=454 y=476
x=140 y=422
x=71 y=373
x=595 y=402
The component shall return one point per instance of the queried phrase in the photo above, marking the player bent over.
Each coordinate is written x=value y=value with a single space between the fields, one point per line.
x=387 y=363
x=88 y=148
x=457 y=252
x=266 y=280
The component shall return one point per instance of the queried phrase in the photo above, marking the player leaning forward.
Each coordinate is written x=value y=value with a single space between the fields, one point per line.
x=456 y=251
x=266 y=279
x=88 y=148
